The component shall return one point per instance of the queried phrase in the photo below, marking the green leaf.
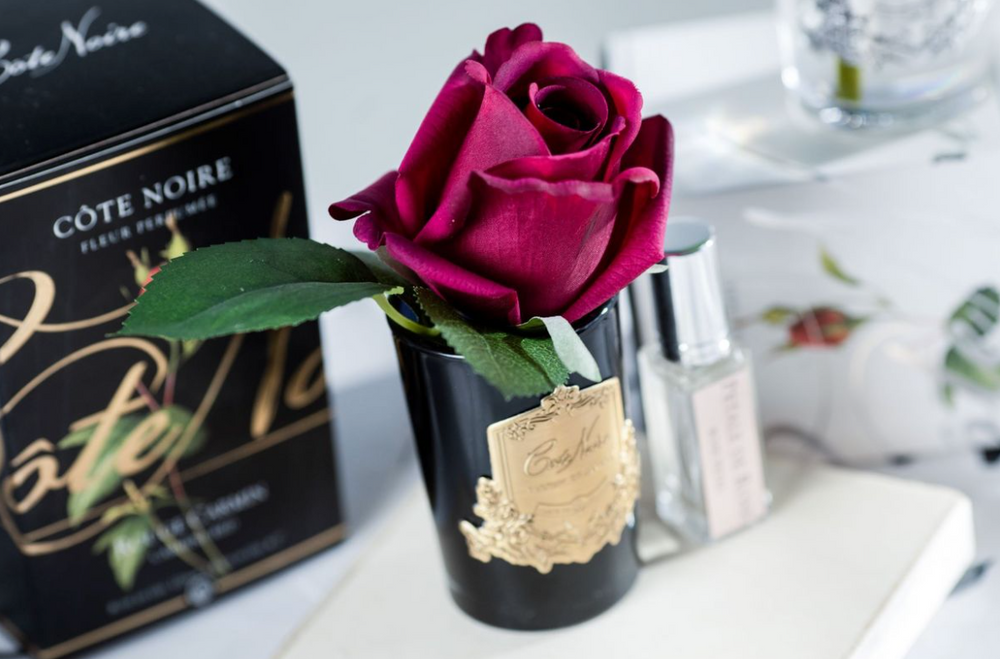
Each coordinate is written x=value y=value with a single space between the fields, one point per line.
x=977 y=316
x=542 y=352
x=126 y=544
x=984 y=376
x=383 y=267
x=570 y=348
x=515 y=365
x=188 y=348
x=948 y=394
x=104 y=478
x=180 y=418
x=248 y=287
x=778 y=315
x=177 y=247
x=157 y=497
x=832 y=268
x=77 y=437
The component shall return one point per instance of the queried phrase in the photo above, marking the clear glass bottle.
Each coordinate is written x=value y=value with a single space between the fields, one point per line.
x=886 y=63
x=702 y=427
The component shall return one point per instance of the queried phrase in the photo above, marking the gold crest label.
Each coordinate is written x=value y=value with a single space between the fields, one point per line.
x=565 y=481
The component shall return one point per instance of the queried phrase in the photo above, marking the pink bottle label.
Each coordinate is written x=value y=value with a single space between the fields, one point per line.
x=732 y=465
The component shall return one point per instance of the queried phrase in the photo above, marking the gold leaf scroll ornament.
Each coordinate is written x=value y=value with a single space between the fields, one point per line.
x=565 y=481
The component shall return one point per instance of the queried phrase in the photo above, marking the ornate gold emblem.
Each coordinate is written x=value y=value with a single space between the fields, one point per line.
x=565 y=481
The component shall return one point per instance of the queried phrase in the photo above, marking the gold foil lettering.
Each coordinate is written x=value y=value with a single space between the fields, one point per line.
x=77 y=476
x=45 y=295
x=266 y=405
x=147 y=443
x=29 y=463
x=307 y=384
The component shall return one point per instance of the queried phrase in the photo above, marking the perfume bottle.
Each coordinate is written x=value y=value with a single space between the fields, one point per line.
x=698 y=396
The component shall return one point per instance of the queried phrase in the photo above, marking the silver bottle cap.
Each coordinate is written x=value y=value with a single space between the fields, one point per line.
x=690 y=310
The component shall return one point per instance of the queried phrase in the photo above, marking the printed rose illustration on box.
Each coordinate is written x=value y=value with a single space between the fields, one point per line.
x=132 y=524
x=531 y=195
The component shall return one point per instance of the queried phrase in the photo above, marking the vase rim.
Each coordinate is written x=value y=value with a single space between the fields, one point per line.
x=417 y=342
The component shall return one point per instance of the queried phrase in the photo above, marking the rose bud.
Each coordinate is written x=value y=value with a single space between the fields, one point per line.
x=821 y=327
x=532 y=188
x=152 y=273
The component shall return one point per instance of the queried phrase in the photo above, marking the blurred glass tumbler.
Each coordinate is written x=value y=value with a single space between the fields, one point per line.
x=886 y=63
x=556 y=542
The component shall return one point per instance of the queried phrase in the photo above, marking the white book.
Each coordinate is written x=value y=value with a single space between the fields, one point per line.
x=849 y=565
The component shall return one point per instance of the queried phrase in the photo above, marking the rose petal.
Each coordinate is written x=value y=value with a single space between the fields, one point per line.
x=637 y=242
x=542 y=239
x=466 y=290
x=501 y=44
x=377 y=204
x=537 y=61
x=586 y=165
x=572 y=98
x=654 y=149
x=499 y=133
x=425 y=167
x=627 y=103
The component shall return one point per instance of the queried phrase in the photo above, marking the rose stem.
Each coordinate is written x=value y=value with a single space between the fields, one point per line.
x=147 y=396
x=848 y=81
x=171 y=384
x=142 y=505
x=219 y=562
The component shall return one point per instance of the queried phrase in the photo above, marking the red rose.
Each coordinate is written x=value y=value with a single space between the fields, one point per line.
x=820 y=327
x=532 y=188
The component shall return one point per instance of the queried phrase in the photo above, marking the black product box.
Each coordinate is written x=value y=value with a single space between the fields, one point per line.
x=140 y=478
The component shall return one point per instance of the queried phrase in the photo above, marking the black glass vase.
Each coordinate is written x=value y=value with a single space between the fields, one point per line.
x=452 y=410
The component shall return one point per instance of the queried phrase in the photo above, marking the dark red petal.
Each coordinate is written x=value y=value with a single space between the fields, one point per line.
x=499 y=133
x=425 y=166
x=466 y=290
x=501 y=44
x=627 y=102
x=571 y=98
x=586 y=165
x=377 y=204
x=537 y=61
x=637 y=242
x=542 y=239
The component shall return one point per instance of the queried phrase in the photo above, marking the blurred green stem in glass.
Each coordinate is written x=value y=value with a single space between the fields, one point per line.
x=848 y=81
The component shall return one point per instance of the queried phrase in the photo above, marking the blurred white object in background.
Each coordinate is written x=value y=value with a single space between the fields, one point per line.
x=719 y=82
x=882 y=63
x=847 y=253
x=871 y=304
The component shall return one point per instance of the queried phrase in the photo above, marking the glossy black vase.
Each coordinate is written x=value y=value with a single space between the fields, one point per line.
x=451 y=409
